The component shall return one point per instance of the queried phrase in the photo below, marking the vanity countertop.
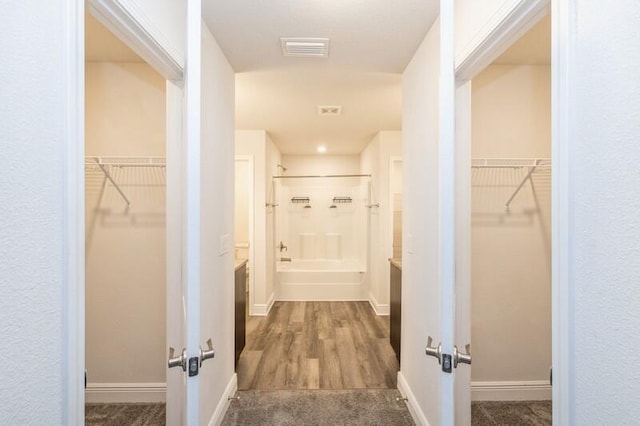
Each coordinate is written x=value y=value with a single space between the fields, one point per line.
x=396 y=262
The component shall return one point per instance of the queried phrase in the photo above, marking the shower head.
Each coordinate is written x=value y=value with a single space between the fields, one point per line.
x=284 y=169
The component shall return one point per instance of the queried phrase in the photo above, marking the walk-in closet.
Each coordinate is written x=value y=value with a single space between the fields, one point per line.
x=511 y=223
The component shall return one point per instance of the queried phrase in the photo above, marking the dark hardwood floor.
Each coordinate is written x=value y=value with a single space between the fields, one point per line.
x=318 y=345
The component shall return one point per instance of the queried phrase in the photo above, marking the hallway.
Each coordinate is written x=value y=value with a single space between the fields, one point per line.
x=318 y=345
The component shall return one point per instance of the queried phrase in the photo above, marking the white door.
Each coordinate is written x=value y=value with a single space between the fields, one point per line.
x=203 y=309
x=450 y=347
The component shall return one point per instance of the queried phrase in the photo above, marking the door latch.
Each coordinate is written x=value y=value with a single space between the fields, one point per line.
x=460 y=357
x=178 y=361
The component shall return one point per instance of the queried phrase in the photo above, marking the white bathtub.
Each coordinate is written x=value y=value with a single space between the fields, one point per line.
x=321 y=280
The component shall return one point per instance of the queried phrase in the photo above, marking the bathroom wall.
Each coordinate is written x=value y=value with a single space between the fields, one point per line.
x=258 y=145
x=511 y=275
x=376 y=160
x=321 y=232
x=125 y=249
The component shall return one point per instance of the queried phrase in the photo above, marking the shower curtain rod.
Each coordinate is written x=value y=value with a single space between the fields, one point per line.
x=319 y=176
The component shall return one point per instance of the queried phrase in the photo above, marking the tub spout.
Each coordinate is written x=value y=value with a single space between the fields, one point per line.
x=285 y=259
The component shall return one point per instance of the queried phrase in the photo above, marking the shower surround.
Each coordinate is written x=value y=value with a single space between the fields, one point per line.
x=323 y=221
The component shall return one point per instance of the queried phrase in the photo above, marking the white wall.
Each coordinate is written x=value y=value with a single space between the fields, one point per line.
x=603 y=202
x=34 y=238
x=125 y=250
x=474 y=19
x=272 y=159
x=217 y=192
x=511 y=265
x=375 y=160
x=165 y=20
x=420 y=252
x=258 y=145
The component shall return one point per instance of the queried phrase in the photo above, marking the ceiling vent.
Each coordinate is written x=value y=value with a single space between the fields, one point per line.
x=305 y=47
x=333 y=110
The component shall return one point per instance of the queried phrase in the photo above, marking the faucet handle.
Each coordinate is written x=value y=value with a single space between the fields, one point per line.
x=282 y=247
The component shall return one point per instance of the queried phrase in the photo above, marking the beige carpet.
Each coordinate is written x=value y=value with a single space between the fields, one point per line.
x=511 y=413
x=124 y=414
x=318 y=407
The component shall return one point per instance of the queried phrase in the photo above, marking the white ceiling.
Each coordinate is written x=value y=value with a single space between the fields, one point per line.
x=372 y=42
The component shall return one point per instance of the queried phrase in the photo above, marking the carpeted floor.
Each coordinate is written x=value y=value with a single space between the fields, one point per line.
x=318 y=407
x=144 y=414
x=322 y=407
x=511 y=413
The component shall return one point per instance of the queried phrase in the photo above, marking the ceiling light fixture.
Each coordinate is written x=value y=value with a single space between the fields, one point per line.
x=305 y=47
x=321 y=149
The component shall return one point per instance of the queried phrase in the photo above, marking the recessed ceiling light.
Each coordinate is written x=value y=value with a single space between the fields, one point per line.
x=306 y=47
x=321 y=149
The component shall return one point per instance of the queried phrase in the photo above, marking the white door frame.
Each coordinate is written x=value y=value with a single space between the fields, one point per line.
x=508 y=29
x=128 y=28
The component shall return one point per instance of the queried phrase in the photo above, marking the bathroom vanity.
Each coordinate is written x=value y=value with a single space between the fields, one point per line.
x=395 y=308
x=240 y=307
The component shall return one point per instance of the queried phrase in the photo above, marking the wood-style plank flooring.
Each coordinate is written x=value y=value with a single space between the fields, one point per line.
x=318 y=345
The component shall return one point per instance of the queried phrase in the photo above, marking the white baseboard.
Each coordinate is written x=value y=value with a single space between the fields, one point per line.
x=381 y=309
x=534 y=390
x=416 y=412
x=321 y=291
x=125 y=392
x=224 y=401
x=262 y=309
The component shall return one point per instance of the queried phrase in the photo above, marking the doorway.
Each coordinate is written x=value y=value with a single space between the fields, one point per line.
x=510 y=232
x=126 y=250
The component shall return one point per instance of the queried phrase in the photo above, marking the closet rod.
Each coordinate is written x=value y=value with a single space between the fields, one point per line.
x=320 y=176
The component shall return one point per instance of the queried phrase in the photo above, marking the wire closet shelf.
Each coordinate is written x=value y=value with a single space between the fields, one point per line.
x=107 y=165
x=526 y=166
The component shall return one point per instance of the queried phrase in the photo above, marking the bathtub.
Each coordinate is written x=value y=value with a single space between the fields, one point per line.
x=321 y=279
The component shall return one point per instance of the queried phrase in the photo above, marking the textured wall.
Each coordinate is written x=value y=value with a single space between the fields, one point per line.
x=604 y=218
x=32 y=199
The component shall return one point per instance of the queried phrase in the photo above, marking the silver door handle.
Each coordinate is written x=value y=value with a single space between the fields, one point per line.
x=179 y=361
x=207 y=353
x=459 y=357
x=434 y=351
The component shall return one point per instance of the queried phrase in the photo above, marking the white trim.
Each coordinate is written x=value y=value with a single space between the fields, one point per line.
x=533 y=390
x=563 y=28
x=125 y=392
x=501 y=31
x=73 y=327
x=263 y=309
x=223 y=403
x=416 y=412
x=381 y=309
x=129 y=24
x=328 y=291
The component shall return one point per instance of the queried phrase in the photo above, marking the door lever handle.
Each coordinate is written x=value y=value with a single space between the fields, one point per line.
x=459 y=357
x=179 y=361
x=207 y=353
x=434 y=351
